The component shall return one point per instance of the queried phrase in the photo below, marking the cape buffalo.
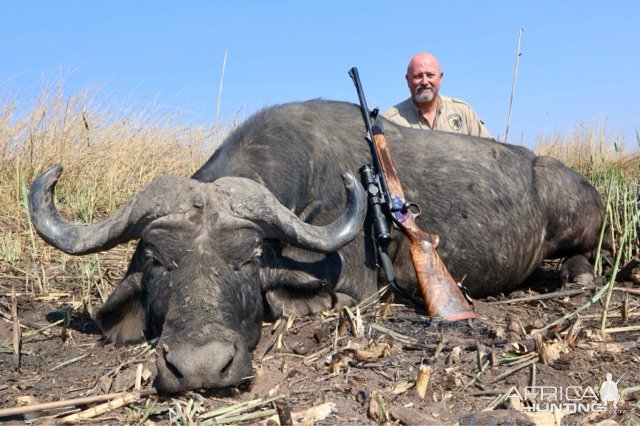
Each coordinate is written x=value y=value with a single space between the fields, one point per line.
x=264 y=229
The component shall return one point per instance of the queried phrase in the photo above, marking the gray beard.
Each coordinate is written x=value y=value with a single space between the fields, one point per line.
x=424 y=96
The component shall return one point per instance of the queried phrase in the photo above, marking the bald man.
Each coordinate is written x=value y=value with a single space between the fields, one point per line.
x=427 y=109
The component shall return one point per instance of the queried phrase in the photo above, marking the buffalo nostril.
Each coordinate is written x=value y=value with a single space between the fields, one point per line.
x=185 y=366
x=212 y=360
x=168 y=361
x=225 y=369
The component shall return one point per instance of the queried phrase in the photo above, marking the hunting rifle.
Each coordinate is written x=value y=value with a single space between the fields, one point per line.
x=443 y=297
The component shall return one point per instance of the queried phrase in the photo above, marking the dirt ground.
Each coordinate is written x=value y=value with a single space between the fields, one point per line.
x=333 y=370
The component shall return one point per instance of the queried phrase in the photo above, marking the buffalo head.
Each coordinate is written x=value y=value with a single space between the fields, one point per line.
x=195 y=279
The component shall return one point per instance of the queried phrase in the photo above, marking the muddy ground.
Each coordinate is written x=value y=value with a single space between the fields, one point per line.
x=348 y=374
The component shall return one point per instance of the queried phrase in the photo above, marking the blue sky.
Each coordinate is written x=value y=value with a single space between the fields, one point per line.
x=579 y=63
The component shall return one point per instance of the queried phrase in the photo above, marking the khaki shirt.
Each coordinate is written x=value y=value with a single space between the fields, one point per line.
x=452 y=115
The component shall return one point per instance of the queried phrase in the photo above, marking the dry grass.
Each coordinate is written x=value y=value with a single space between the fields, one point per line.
x=592 y=150
x=107 y=155
x=110 y=151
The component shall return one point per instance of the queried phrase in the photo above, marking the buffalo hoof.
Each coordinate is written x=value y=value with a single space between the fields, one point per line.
x=578 y=270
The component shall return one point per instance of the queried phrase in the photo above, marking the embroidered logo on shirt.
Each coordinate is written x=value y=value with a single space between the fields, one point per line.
x=455 y=121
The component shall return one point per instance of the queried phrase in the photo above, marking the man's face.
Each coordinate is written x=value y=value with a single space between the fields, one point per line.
x=424 y=78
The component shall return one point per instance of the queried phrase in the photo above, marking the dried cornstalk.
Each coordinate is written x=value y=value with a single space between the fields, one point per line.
x=247 y=417
x=622 y=329
x=101 y=409
x=17 y=333
x=69 y=362
x=515 y=326
x=284 y=412
x=306 y=417
x=422 y=380
x=377 y=409
x=342 y=324
x=233 y=410
x=574 y=331
x=357 y=326
x=513 y=370
x=282 y=322
x=138 y=383
x=17 y=411
x=550 y=351
x=336 y=363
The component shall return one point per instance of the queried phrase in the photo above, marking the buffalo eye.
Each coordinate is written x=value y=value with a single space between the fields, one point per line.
x=244 y=249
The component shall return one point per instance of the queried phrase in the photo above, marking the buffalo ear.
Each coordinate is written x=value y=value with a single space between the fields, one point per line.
x=122 y=318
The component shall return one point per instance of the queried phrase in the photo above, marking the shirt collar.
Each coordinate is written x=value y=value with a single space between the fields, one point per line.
x=418 y=113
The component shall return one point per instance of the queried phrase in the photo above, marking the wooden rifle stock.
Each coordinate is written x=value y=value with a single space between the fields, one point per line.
x=441 y=294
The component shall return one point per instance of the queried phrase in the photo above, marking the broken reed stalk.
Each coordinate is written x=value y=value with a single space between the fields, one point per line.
x=513 y=370
x=394 y=334
x=282 y=322
x=422 y=380
x=541 y=348
x=101 y=409
x=624 y=311
x=568 y=293
x=357 y=326
x=497 y=401
x=478 y=359
x=622 y=329
x=377 y=409
x=138 y=382
x=246 y=417
x=51 y=296
x=28 y=334
x=476 y=377
x=17 y=411
x=374 y=298
x=309 y=416
x=574 y=330
x=627 y=391
x=553 y=295
x=614 y=314
x=284 y=412
x=17 y=333
x=232 y=410
x=69 y=362
x=532 y=377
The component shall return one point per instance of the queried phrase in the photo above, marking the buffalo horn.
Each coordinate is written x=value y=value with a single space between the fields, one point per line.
x=278 y=222
x=163 y=196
